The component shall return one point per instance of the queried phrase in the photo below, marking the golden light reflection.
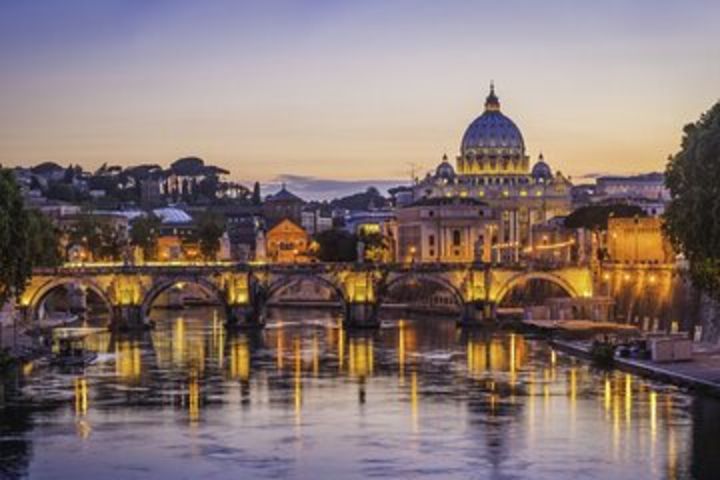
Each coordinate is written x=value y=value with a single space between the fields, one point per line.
x=361 y=357
x=128 y=363
x=513 y=361
x=414 y=401
x=341 y=346
x=81 y=396
x=240 y=359
x=607 y=395
x=178 y=352
x=297 y=377
x=401 y=351
x=218 y=339
x=653 y=414
x=279 y=348
x=628 y=399
x=193 y=397
x=315 y=356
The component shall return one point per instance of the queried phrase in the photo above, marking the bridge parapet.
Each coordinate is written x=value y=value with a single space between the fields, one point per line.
x=244 y=289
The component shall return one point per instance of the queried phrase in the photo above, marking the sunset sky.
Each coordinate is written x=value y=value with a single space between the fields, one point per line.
x=350 y=91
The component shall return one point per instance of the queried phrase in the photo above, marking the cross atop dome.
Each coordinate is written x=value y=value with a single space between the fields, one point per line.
x=492 y=102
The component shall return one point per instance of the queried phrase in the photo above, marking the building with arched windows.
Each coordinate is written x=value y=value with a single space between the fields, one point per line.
x=493 y=175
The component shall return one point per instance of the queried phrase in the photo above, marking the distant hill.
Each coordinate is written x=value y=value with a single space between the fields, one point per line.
x=369 y=199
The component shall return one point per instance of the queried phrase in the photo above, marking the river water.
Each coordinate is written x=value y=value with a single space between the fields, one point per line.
x=305 y=399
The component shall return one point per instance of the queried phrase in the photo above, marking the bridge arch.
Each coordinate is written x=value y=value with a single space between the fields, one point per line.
x=277 y=285
x=524 y=277
x=162 y=285
x=37 y=297
x=436 y=280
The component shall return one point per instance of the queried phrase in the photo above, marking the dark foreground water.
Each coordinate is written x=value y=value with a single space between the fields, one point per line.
x=303 y=399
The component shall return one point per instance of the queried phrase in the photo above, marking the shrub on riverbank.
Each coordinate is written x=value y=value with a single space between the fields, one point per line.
x=602 y=354
x=6 y=361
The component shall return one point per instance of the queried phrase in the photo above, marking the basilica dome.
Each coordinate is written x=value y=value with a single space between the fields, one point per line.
x=541 y=170
x=492 y=133
x=445 y=170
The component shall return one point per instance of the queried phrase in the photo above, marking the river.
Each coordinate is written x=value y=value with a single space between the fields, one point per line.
x=305 y=399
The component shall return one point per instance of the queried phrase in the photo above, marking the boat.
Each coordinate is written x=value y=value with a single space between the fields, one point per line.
x=71 y=352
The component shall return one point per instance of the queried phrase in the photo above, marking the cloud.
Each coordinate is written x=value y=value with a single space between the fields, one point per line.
x=592 y=176
x=314 y=188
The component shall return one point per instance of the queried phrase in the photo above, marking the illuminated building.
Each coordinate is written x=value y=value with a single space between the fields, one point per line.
x=493 y=176
x=281 y=205
x=638 y=240
x=287 y=242
x=445 y=229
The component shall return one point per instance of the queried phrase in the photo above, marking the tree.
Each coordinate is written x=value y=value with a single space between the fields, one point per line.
x=15 y=262
x=99 y=238
x=256 y=198
x=336 y=246
x=595 y=217
x=692 y=218
x=210 y=229
x=43 y=240
x=144 y=234
x=377 y=247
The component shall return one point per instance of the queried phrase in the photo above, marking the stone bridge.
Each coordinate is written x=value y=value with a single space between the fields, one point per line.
x=245 y=289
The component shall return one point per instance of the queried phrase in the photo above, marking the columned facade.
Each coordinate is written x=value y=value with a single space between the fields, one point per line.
x=492 y=171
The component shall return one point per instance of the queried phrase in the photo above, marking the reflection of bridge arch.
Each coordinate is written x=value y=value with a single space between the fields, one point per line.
x=525 y=277
x=163 y=285
x=436 y=280
x=44 y=290
x=286 y=281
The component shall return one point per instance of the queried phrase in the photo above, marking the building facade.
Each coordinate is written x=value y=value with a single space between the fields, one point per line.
x=492 y=175
x=638 y=240
x=287 y=242
x=284 y=204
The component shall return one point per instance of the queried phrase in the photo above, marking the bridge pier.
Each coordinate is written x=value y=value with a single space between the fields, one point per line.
x=77 y=299
x=127 y=317
x=478 y=314
x=361 y=315
x=244 y=316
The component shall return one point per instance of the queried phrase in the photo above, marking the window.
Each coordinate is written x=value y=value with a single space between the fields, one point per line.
x=456 y=238
x=431 y=240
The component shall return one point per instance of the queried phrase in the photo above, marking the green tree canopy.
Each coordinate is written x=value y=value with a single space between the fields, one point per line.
x=256 y=196
x=43 y=240
x=336 y=246
x=99 y=237
x=144 y=234
x=15 y=262
x=210 y=229
x=595 y=217
x=377 y=247
x=27 y=239
x=692 y=219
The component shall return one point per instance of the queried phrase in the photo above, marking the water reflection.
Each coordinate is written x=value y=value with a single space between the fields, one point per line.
x=416 y=399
